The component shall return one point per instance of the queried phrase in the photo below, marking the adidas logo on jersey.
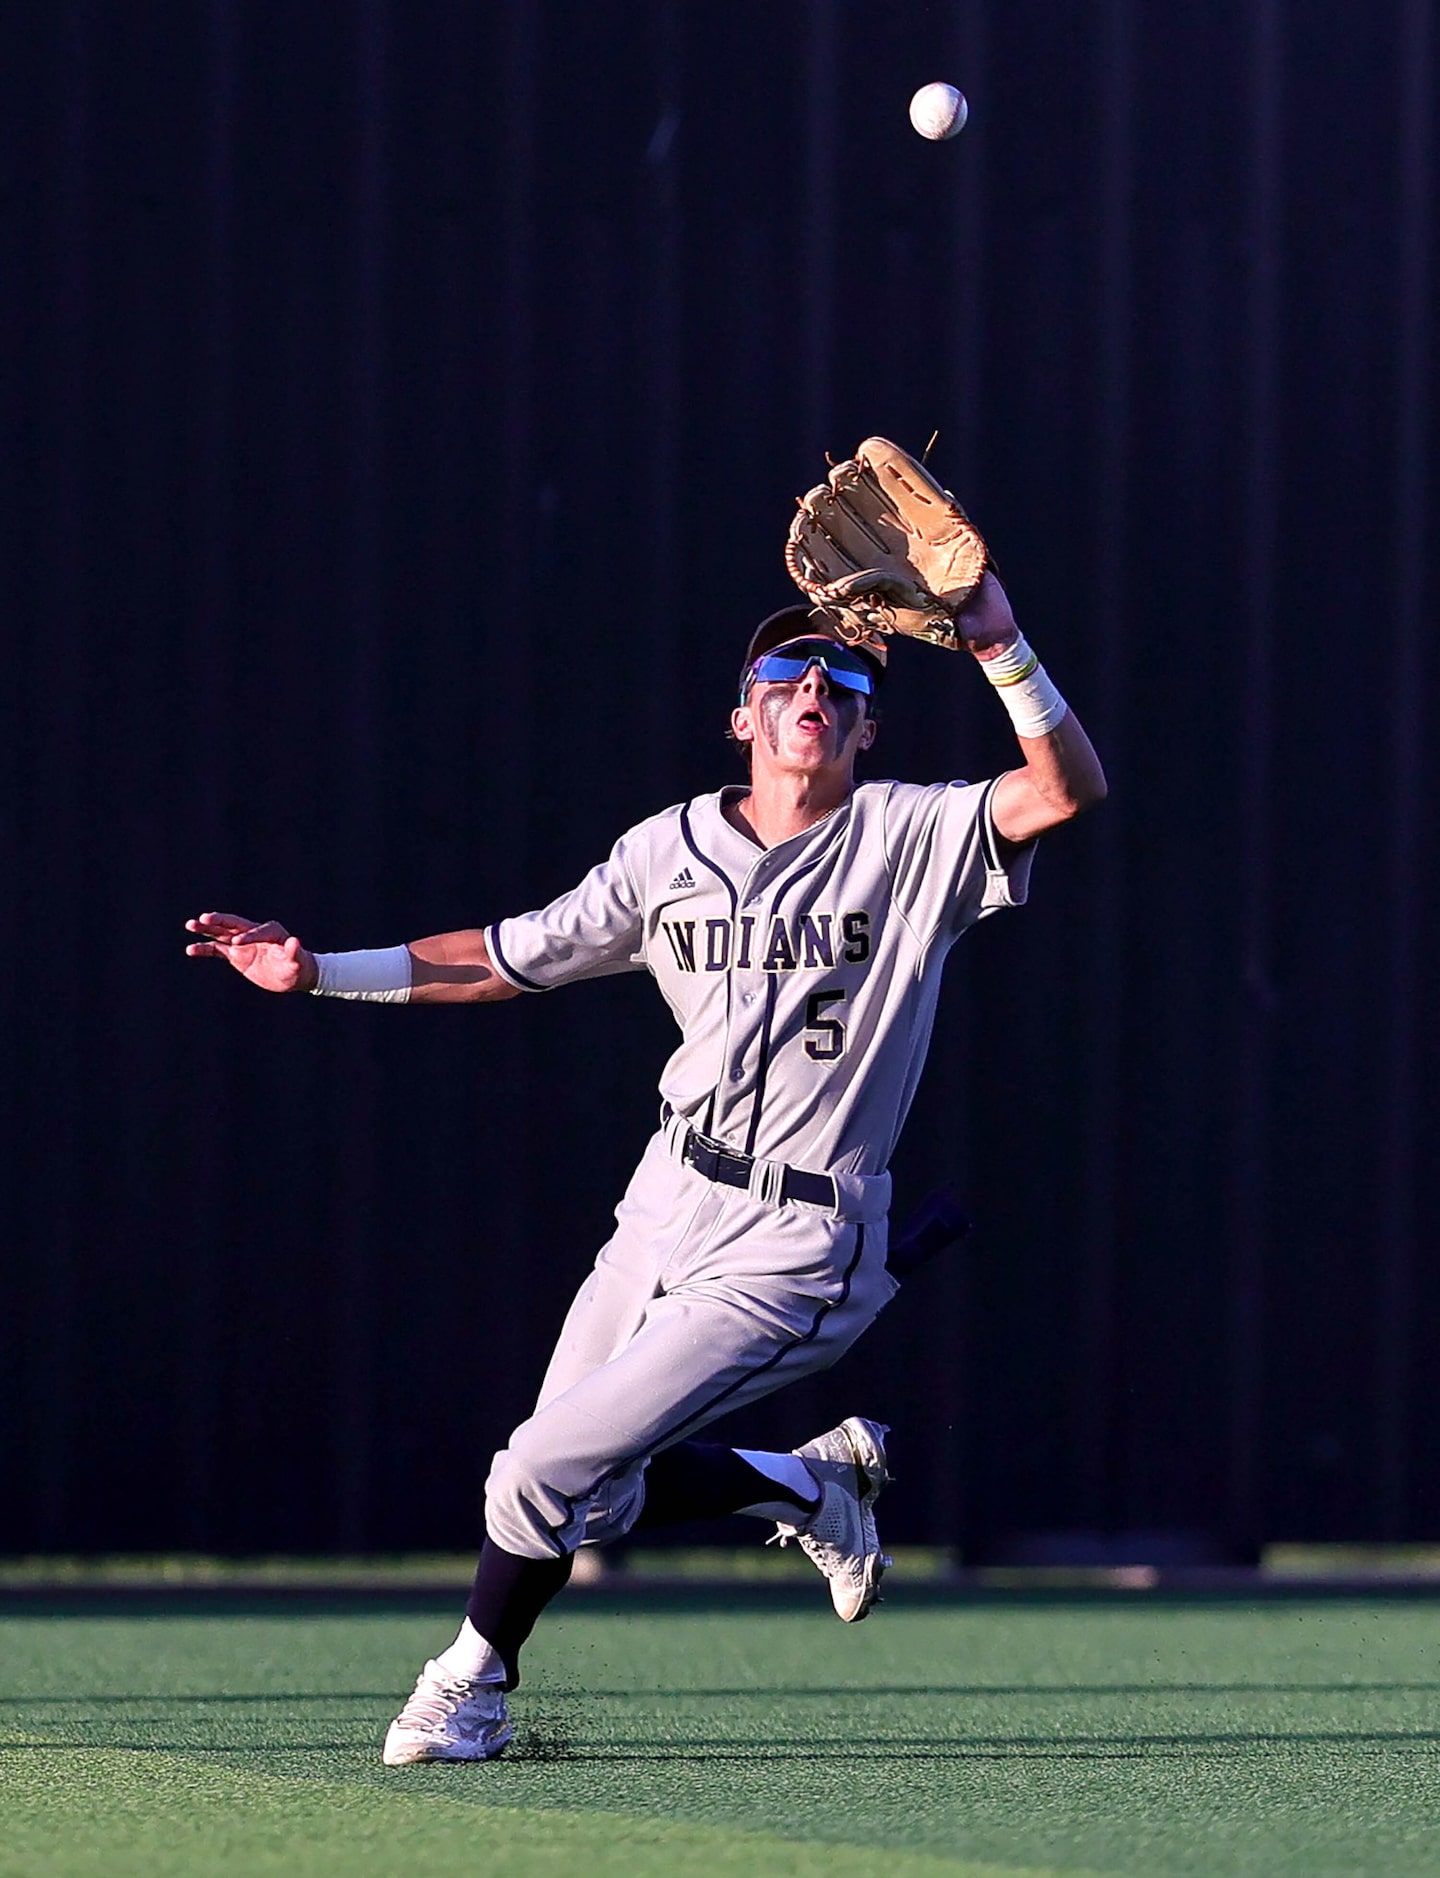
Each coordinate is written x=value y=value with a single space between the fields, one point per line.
x=683 y=879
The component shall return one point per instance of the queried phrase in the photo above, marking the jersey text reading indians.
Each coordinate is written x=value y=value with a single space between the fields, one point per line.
x=809 y=942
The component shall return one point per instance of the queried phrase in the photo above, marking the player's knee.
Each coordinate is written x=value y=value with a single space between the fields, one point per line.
x=526 y=1513
x=536 y=1510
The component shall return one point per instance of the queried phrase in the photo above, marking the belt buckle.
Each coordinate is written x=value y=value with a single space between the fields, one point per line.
x=700 y=1154
x=710 y=1159
x=712 y=1147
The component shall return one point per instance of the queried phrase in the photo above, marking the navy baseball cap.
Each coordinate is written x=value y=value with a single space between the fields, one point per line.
x=804 y=622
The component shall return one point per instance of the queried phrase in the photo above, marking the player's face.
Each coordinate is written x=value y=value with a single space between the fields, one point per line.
x=804 y=725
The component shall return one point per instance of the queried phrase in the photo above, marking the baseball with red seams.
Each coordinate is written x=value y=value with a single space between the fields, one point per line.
x=938 y=111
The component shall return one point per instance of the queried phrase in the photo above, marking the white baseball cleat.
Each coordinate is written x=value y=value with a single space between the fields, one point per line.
x=839 y=1538
x=448 y=1718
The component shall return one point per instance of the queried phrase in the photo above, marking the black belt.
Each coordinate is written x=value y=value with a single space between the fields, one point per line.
x=712 y=1161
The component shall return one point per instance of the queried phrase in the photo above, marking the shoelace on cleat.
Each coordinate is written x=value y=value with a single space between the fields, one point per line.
x=831 y=1560
x=823 y=1541
x=432 y=1702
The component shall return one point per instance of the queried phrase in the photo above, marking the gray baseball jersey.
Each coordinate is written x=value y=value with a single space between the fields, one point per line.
x=803 y=977
x=804 y=980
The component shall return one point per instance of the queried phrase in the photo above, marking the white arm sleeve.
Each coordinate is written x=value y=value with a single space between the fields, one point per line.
x=382 y=977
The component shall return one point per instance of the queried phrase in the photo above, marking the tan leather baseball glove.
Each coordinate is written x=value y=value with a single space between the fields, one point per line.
x=884 y=549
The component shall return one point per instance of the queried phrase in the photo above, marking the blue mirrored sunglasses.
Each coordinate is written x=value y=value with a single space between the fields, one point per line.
x=841 y=666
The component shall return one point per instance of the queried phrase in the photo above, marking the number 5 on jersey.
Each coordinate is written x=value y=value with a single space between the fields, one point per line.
x=828 y=1039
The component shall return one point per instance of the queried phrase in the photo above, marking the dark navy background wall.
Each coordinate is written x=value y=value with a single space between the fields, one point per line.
x=402 y=410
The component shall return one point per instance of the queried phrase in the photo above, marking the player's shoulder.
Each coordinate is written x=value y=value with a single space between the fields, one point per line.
x=696 y=812
x=662 y=821
x=667 y=827
x=662 y=825
x=904 y=812
x=905 y=798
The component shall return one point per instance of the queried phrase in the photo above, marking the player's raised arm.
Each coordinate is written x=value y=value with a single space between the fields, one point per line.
x=450 y=968
x=1062 y=774
x=880 y=545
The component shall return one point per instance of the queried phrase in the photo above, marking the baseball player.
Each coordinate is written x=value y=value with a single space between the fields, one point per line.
x=797 y=926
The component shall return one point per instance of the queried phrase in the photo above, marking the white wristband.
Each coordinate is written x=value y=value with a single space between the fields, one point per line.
x=381 y=977
x=1026 y=689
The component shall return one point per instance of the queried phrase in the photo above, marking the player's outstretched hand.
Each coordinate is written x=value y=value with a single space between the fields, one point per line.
x=261 y=951
x=985 y=621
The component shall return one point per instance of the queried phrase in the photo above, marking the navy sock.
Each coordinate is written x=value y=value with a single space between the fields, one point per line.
x=508 y=1596
x=693 y=1480
x=701 y=1480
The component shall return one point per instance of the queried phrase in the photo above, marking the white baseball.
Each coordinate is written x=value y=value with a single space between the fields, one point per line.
x=938 y=111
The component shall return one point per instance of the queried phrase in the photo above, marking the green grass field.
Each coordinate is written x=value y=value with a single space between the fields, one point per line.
x=754 y=1735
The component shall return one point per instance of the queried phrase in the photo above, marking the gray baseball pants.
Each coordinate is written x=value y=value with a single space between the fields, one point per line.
x=705 y=1299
